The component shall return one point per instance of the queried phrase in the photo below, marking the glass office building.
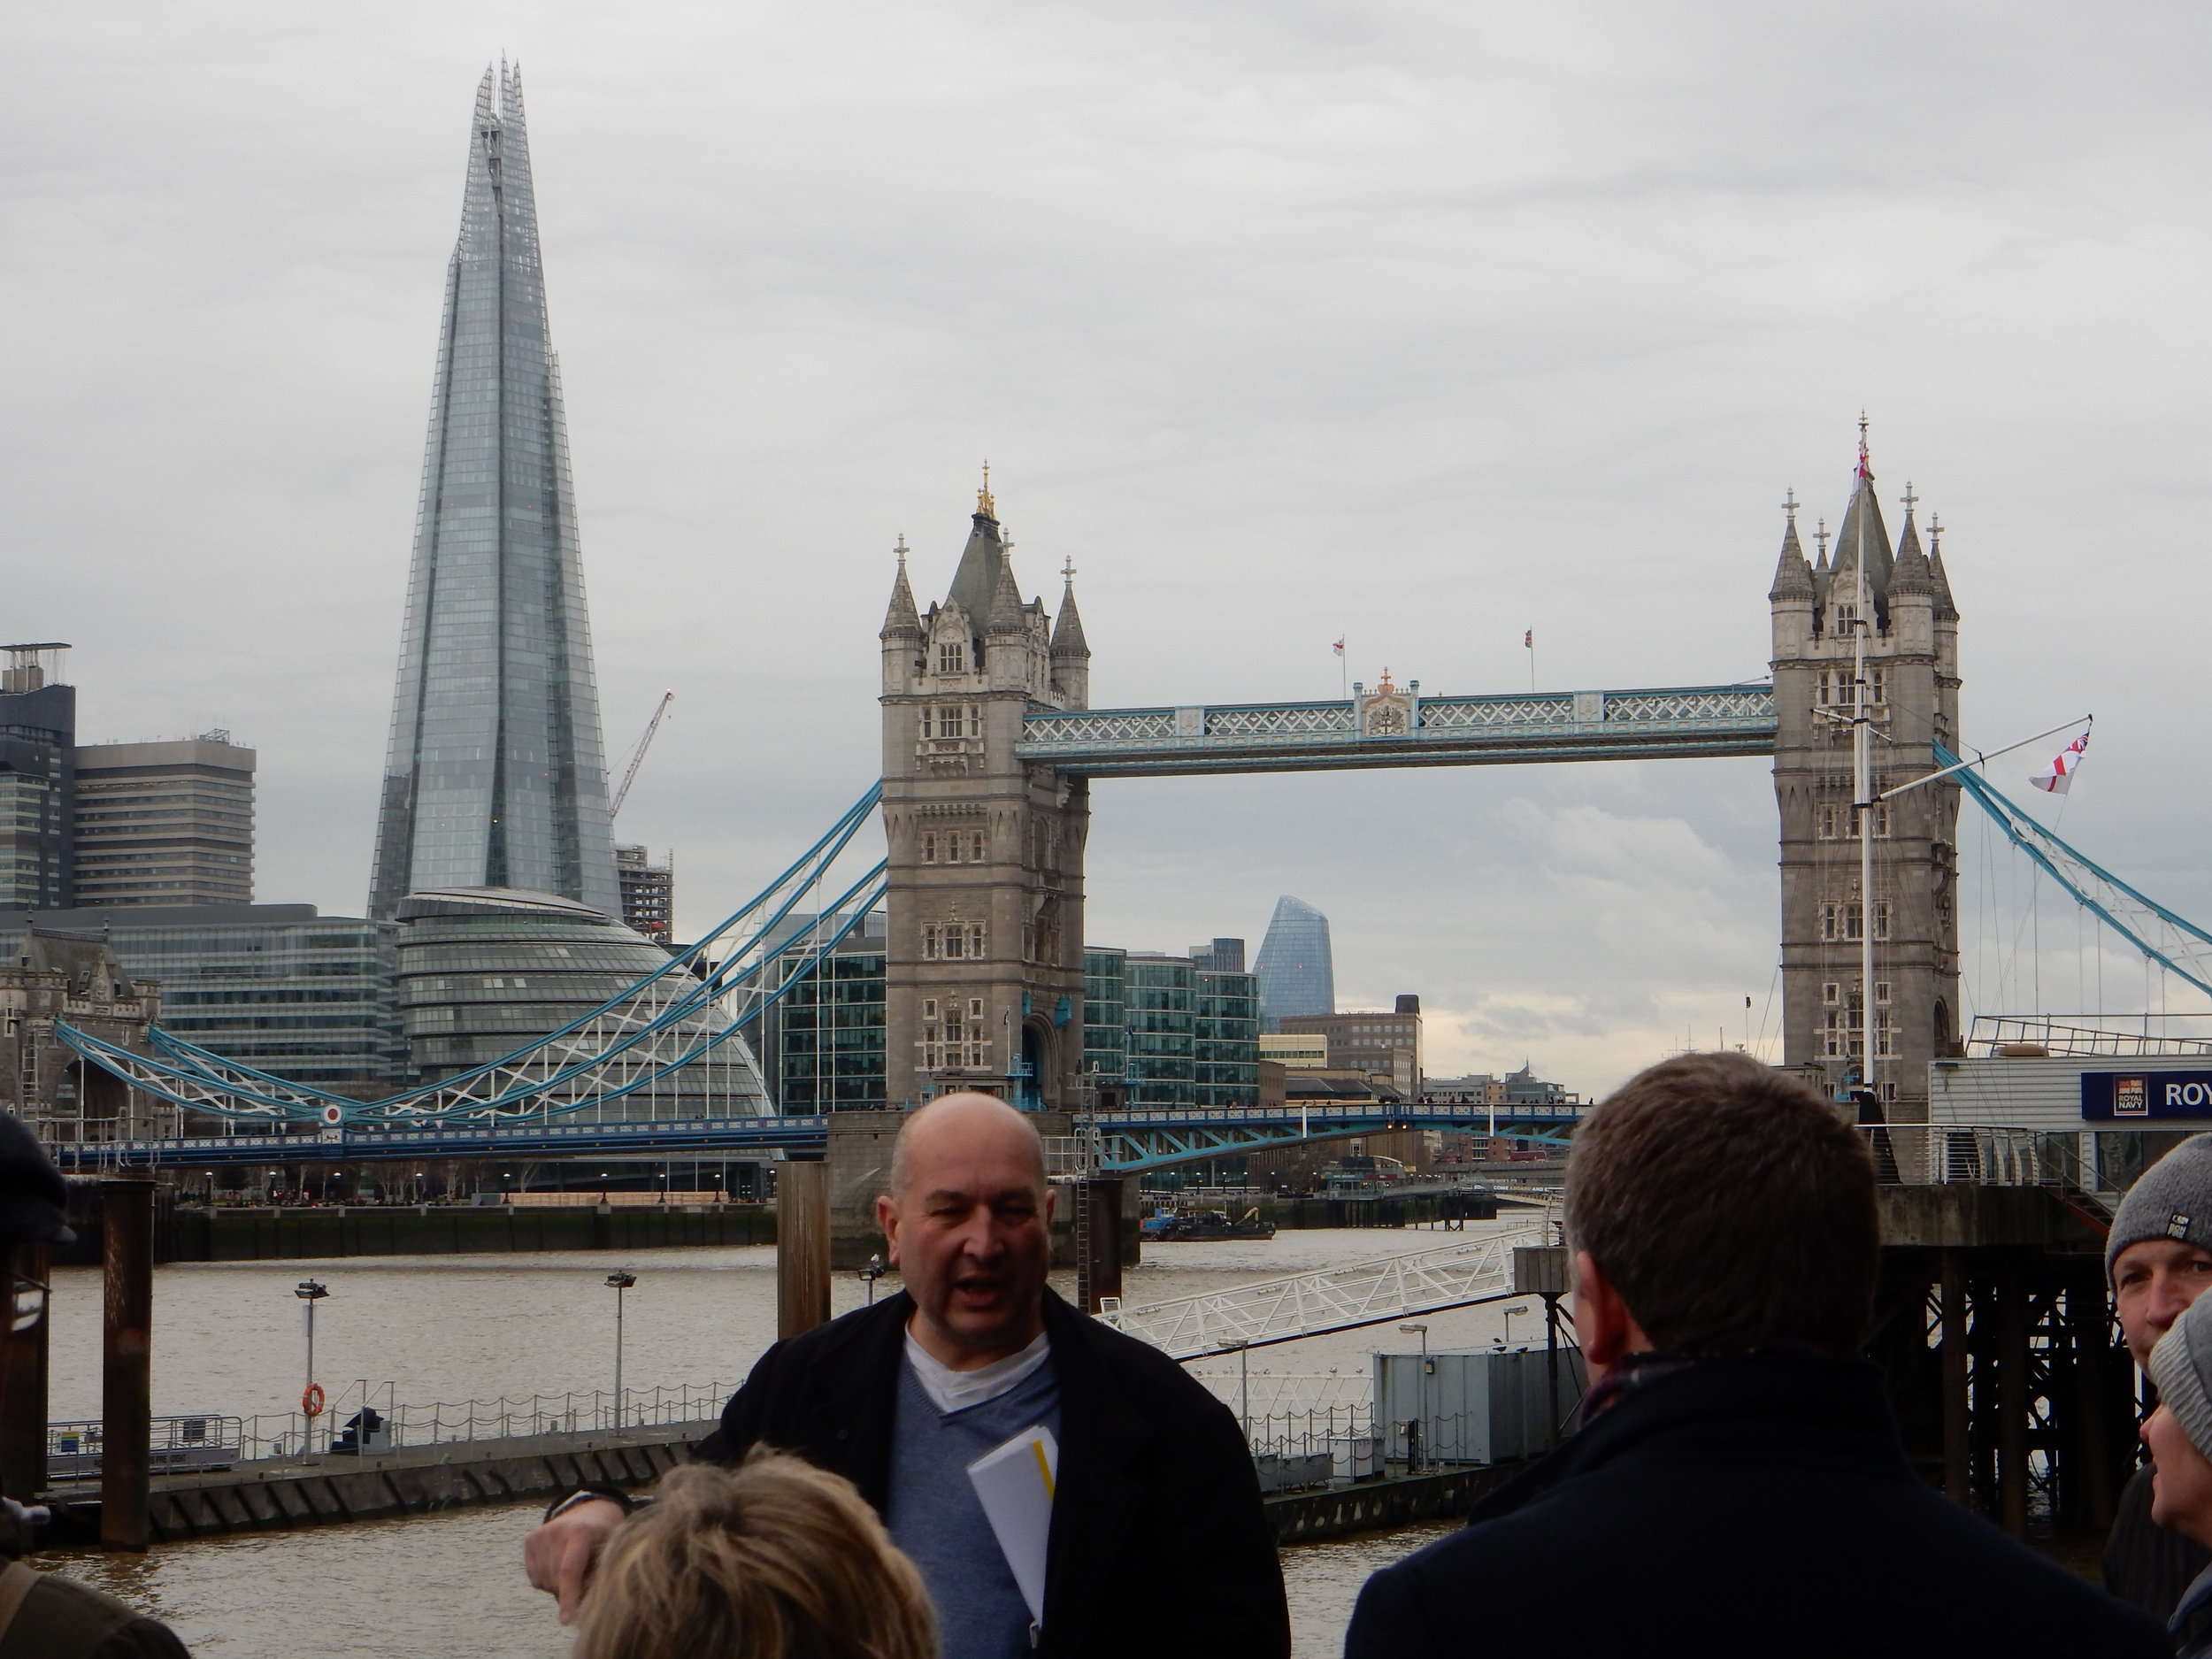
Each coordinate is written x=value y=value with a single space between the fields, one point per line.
x=1295 y=971
x=1225 y=1040
x=496 y=776
x=278 y=987
x=1160 y=997
x=822 y=1042
x=482 y=971
x=38 y=736
x=1105 y=1026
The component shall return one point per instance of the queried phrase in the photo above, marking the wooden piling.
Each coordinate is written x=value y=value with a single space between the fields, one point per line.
x=2012 y=1401
x=1957 y=1478
x=23 y=1367
x=802 y=1245
x=127 y=1221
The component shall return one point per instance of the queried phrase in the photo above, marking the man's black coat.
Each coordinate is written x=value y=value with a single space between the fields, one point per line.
x=1759 y=1505
x=1159 y=1545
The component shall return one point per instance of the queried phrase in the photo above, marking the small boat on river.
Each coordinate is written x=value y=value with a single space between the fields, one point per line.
x=1205 y=1226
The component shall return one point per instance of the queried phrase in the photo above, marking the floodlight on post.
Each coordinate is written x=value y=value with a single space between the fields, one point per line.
x=620 y=1281
x=310 y=1293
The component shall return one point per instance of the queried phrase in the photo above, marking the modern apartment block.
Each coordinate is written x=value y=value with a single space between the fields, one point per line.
x=279 y=987
x=38 y=736
x=648 y=892
x=1161 y=1031
x=1373 y=1042
x=822 y=1042
x=163 y=824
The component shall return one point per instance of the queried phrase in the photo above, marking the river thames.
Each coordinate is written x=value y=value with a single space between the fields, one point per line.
x=227 y=1340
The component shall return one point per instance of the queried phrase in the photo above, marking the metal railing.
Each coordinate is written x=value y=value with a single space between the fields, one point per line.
x=1335 y=1299
x=1986 y=1155
x=2087 y=1036
x=175 y=1444
x=404 y=1423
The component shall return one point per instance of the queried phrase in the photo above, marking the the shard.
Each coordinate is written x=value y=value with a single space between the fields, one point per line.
x=496 y=777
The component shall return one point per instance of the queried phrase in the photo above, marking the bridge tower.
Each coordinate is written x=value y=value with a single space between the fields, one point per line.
x=1912 y=696
x=985 y=884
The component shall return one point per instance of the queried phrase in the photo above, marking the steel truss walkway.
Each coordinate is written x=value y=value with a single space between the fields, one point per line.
x=1113 y=1143
x=1334 y=1299
x=1404 y=729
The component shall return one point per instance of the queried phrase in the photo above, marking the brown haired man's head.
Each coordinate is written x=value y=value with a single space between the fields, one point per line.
x=1716 y=1206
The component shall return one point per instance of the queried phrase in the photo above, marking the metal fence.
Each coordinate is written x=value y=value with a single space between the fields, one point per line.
x=1933 y=1155
x=407 y=1423
x=175 y=1444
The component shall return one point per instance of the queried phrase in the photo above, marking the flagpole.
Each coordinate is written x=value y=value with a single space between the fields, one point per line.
x=1979 y=757
x=1863 y=784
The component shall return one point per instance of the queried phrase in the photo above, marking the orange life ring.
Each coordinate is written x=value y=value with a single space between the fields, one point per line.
x=311 y=1399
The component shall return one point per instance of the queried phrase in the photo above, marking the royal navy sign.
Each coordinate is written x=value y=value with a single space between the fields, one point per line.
x=2143 y=1096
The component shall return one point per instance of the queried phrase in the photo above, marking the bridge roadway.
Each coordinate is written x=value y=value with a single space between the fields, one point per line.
x=1397 y=726
x=1127 y=1143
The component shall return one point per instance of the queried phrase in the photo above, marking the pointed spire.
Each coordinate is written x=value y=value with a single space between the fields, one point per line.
x=1938 y=579
x=1863 y=536
x=1910 y=575
x=1067 y=632
x=1792 y=577
x=975 y=583
x=902 y=620
x=1007 y=609
x=985 y=506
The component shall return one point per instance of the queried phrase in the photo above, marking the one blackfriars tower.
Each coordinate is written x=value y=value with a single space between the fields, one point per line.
x=496 y=777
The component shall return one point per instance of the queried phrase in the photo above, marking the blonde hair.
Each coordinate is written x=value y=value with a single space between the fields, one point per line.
x=773 y=1560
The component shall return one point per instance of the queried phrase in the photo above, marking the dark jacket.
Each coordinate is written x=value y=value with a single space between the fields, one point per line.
x=1159 y=1545
x=1758 y=1505
x=2148 y=1565
x=61 y=1618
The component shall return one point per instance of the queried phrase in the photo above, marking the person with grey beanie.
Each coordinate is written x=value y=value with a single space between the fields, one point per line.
x=2158 y=1257
x=2180 y=1436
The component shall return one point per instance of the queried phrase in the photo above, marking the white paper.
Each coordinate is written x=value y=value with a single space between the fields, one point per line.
x=1015 y=1484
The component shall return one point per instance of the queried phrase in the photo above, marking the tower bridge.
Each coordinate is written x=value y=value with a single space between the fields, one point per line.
x=990 y=747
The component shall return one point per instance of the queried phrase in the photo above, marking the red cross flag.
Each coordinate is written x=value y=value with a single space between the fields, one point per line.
x=2058 y=777
x=1338 y=647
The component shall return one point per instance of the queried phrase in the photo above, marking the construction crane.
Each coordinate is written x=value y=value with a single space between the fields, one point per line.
x=637 y=756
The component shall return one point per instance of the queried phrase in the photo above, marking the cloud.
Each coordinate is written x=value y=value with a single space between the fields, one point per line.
x=1426 y=323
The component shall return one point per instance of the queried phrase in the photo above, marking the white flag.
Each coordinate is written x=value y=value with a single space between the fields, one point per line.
x=2058 y=777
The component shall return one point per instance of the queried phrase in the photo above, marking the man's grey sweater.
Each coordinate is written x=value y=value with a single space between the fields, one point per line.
x=934 y=1516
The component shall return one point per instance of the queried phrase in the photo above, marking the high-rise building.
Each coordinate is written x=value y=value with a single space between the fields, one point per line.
x=1161 y=1031
x=1225 y=1034
x=1882 y=1036
x=163 y=824
x=38 y=736
x=496 y=776
x=1224 y=955
x=648 y=892
x=278 y=987
x=1296 y=974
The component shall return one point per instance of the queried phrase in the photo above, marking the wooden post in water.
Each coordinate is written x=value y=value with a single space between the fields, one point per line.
x=23 y=1387
x=802 y=1245
x=2090 y=1314
x=127 y=1224
x=1957 y=1476
x=1098 y=1241
x=2012 y=1400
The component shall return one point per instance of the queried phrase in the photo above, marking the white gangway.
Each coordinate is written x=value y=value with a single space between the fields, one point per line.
x=1332 y=1299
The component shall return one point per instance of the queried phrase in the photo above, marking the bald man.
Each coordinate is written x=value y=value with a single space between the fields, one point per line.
x=1157 y=1541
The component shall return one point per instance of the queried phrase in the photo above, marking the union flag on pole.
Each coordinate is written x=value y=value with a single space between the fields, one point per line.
x=1529 y=639
x=1338 y=647
x=2058 y=777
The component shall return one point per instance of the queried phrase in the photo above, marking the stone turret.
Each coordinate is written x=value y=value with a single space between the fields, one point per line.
x=985 y=883
x=1070 y=652
x=1911 y=695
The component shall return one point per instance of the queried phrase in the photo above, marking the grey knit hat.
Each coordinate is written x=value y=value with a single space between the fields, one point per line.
x=2181 y=1366
x=2172 y=1200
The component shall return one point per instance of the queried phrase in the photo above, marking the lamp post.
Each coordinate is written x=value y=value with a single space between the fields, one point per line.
x=621 y=1281
x=1420 y=1447
x=1509 y=1312
x=311 y=1292
x=869 y=1274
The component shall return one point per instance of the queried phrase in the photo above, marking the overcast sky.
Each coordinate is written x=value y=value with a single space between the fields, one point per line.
x=1421 y=323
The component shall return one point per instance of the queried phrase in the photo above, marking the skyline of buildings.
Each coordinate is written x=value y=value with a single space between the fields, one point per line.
x=495 y=775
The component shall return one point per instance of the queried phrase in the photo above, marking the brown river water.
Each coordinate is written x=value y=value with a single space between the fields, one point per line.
x=227 y=1340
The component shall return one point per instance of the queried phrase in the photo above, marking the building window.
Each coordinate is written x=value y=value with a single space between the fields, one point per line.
x=1830 y=993
x=1821 y=688
x=1881 y=920
x=1881 y=685
x=952 y=658
x=952 y=1034
x=1830 y=815
x=975 y=847
x=1881 y=992
x=951 y=942
x=1879 y=813
x=929 y=847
